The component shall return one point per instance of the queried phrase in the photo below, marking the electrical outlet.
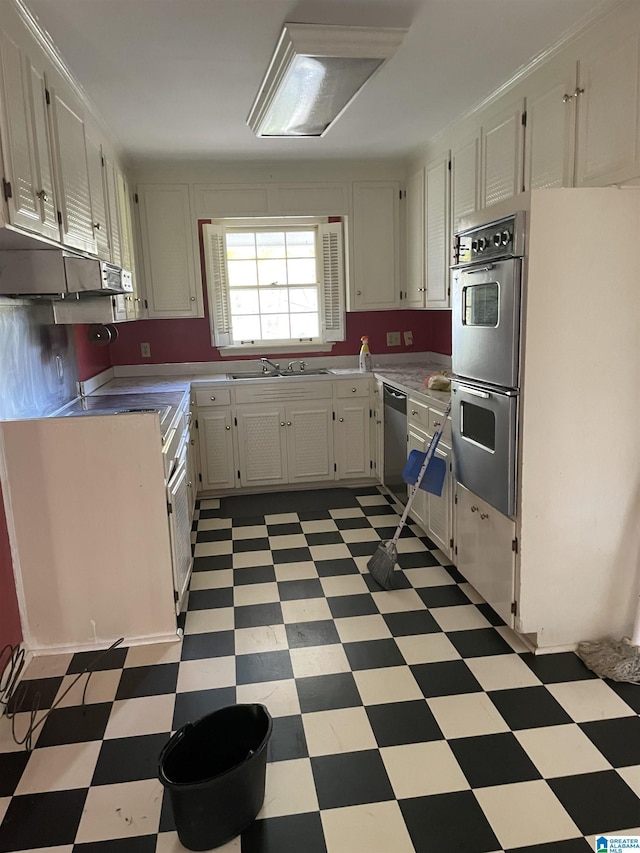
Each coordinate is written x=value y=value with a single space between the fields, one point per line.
x=408 y=339
x=393 y=339
x=145 y=350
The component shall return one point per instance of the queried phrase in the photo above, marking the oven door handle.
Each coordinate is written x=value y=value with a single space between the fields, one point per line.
x=476 y=393
x=479 y=269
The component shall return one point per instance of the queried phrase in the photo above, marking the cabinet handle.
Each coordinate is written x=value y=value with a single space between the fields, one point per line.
x=227 y=427
x=358 y=293
x=484 y=515
x=192 y=442
x=193 y=299
x=42 y=196
x=341 y=420
x=413 y=412
x=436 y=423
x=213 y=398
x=189 y=485
x=281 y=423
x=288 y=423
x=96 y=225
x=474 y=509
x=578 y=91
x=353 y=390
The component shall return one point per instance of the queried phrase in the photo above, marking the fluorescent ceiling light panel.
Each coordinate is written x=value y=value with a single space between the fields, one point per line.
x=315 y=72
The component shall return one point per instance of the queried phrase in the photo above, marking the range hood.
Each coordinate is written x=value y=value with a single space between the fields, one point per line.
x=59 y=272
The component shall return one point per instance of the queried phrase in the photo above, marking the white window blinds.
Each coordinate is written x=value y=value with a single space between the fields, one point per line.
x=331 y=285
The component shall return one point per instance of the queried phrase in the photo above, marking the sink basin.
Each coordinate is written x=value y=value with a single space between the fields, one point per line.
x=320 y=371
x=282 y=374
x=253 y=375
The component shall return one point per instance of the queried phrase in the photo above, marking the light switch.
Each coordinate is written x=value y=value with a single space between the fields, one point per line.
x=393 y=339
x=145 y=350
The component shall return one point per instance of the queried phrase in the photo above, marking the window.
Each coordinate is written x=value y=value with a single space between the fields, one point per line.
x=275 y=283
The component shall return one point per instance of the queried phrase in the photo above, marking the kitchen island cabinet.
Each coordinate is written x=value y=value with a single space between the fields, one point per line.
x=111 y=554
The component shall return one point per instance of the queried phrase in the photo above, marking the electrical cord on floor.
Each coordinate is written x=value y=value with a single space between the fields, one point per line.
x=13 y=694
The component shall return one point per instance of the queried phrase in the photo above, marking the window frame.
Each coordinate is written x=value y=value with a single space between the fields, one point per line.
x=331 y=284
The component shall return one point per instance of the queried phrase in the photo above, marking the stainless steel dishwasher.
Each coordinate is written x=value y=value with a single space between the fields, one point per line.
x=395 y=441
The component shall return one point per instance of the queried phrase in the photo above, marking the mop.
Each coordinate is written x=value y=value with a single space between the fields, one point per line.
x=618 y=660
x=382 y=564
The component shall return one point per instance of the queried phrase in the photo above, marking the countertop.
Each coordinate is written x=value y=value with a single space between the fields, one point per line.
x=407 y=377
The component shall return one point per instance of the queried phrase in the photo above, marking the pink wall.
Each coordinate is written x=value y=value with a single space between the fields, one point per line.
x=10 y=631
x=175 y=341
x=91 y=358
x=190 y=340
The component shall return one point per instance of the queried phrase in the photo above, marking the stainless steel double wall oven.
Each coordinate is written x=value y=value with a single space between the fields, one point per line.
x=487 y=296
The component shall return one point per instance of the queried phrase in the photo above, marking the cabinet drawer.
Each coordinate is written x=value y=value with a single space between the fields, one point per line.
x=417 y=412
x=353 y=388
x=435 y=420
x=213 y=397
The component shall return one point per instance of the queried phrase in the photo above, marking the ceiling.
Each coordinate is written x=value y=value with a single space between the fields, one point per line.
x=176 y=78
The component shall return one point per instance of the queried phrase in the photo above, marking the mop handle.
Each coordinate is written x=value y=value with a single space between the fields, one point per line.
x=430 y=451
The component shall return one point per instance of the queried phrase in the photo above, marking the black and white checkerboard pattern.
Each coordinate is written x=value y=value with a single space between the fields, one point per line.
x=411 y=720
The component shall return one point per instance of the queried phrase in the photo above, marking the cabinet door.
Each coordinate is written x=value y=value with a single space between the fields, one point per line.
x=437 y=236
x=550 y=130
x=415 y=241
x=376 y=237
x=111 y=185
x=484 y=552
x=26 y=148
x=608 y=148
x=97 y=186
x=70 y=144
x=377 y=431
x=502 y=154
x=419 y=440
x=180 y=517
x=216 y=449
x=465 y=179
x=309 y=442
x=262 y=445
x=439 y=509
x=167 y=251
x=352 y=438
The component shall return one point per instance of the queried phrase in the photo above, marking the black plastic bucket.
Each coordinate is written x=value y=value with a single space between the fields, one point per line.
x=214 y=770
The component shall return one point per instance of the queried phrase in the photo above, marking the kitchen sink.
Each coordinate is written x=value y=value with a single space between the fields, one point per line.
x=320 y=371
x=282 y=374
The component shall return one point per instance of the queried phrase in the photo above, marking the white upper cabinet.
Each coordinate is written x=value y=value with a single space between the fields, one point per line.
x=550 y=130
x=26 y=149
x=99 y=207
x=437 y=234
x=111 y=189
x=465 y=178
x=376 y=240
x=608 y=101
x=502 y=152
x=70 y=146
x=415 y=282
x=167 y=238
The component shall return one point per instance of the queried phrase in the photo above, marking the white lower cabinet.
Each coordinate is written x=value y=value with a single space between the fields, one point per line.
x=285 y=444
x=180 y=515
x=309 y=432
x=217 y=468
x=353 y=458
x=485 y=551
x=352 y=433
x=434 y=513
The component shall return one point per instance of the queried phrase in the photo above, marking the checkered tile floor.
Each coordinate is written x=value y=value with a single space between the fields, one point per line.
x=410 y=720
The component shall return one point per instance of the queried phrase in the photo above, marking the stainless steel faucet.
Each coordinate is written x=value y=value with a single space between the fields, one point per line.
x=265 y=362
x=302 y=364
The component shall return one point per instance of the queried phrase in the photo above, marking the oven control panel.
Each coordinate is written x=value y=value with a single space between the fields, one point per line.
x=501 y=239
